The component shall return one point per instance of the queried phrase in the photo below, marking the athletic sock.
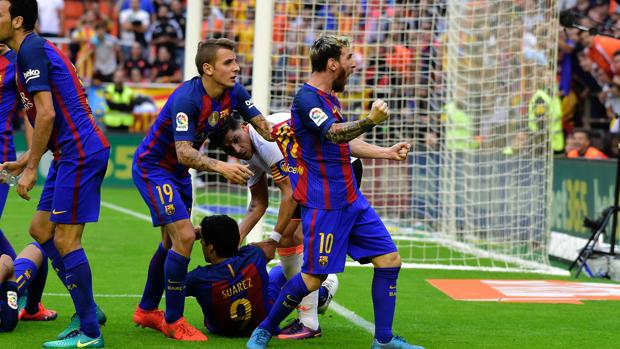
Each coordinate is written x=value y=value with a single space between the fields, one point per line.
x=25 y=271
x=5 y=246
x=308 y=310
x=290 y=297
x=384 y=301
x=175 y=271
x=79 y=282
x=37 y=285
x=154 y=288
x=276 y=281
x=54 y=256
x=291 y=259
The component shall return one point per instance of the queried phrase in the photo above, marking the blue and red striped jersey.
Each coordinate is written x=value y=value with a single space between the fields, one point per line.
x=320 y=170
x=42 y=67
x=189 y=115
x=9 y=105
x=233 y=293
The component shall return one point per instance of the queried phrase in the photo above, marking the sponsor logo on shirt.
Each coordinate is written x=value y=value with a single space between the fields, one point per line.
x=294 y=170
x=249 y=103
x=32 y=74
x=182 y=122
x=318 y=116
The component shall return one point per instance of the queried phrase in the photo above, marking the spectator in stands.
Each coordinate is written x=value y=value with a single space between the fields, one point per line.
x=82 y=37
x=106 y=53
x=136 y=60
x=178 y=13
x=164 y=31
x=145 y=5
x=165 y=69
x=120 y=99
x=134 y=23
x=51 y=18
x=135 y=76
x=584 y=149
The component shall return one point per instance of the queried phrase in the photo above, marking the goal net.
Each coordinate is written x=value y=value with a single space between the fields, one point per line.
x=470 y=85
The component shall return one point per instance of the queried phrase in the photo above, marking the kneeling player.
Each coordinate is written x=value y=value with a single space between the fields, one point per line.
x=235 y=292
x=23 y=278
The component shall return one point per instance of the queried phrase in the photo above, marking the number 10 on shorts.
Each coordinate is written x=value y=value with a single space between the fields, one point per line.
x=327 y=242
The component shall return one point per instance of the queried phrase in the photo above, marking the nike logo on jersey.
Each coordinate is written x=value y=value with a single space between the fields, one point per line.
x=58 y=212
x=84 y=345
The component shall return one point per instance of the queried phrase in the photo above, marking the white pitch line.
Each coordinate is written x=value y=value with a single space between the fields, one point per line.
x=339 y=309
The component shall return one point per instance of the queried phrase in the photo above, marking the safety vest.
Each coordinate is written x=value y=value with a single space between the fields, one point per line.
x=591 y=153
x=544 y=108
x=459 y=129
x=115 y=118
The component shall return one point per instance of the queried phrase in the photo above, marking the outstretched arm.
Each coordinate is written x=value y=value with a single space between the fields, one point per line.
x=263 y=127
x=364 y=150
x=190 y=157
x=256 y=209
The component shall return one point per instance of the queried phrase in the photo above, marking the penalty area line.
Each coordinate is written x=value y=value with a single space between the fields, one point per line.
x=337 y=308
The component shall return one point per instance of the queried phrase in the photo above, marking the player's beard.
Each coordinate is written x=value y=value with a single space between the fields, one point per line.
x=340 y=81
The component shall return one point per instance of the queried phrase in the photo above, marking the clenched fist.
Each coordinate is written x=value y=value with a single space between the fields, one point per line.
x=379 y=112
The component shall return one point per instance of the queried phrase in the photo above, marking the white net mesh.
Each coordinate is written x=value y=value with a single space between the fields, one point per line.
x=459 y=77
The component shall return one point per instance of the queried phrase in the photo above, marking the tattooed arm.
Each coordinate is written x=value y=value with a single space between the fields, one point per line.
x=344 y=132
x=190 y=157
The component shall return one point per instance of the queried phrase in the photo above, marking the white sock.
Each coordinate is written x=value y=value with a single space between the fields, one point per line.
x=291 y=262
x=308 y=310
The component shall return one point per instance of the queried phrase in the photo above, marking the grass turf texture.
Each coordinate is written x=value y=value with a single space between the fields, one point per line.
x=119 y=248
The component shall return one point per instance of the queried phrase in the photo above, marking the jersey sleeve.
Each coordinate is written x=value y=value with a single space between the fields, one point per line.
x=315 y=115
x=258 y=173
x=245 y=106
x=35 y=71
x=185 y=114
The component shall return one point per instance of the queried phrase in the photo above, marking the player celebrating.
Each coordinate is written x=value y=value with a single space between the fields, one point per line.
x=56 y=105
x=234 y=291
x=336 y=218
x=160 y=172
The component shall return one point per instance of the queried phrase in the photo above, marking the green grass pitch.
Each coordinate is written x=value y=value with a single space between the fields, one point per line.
x=119 y=248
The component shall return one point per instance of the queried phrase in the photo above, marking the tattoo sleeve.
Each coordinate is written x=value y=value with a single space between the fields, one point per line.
x=346 y=131
x=190 y=157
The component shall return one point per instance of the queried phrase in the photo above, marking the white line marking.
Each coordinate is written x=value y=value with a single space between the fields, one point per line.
x=339 y=309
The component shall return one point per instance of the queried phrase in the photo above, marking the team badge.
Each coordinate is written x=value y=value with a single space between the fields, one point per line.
x=214 y=118
x=322 y=261
x=170 y=209
x=182 y=122
x=318 y=116
x=11 y=299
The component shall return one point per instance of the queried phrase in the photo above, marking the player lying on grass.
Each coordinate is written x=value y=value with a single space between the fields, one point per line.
x=23 y=279
x=235 y=291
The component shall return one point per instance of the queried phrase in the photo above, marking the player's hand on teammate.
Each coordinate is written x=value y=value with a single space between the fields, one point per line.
x=399 y=151
x=26 y=182
x=379 y=112
x=235 y=173
x=197 y=233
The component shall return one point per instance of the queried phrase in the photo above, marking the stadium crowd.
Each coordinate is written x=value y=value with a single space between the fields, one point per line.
x=144 y=39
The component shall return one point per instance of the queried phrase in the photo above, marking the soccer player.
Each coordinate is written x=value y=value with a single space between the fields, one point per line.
x=161 y=174
x=9 y=107
x=336 y=218
x=56 y=105
x=234 y=291
x=26 y=277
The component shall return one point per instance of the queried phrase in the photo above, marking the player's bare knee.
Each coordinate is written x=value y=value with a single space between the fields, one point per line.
x=6 y=262
x=66 y=243
x=39 y=233
x=390 y=260
x=313 y=282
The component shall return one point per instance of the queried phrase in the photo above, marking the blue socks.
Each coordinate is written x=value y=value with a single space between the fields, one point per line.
x=277 y=279
x=79 y=282
x=384 y=301
x=25 y=272
x=35 y=289
x=54 y=256
x=154 y=288
x=175 y=271
x=5 y=246
x=288 y=300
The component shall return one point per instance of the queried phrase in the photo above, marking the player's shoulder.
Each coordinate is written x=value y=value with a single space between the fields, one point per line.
x=30 y=43
x=11 y=56
x=251 y=253
x=307 y=98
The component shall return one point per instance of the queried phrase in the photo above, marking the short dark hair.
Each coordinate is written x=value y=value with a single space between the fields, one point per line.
x=27 y=9
x=324 y=48
x=207 y=51
x=216 y=138
x=584 y=131
x=222 y=232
